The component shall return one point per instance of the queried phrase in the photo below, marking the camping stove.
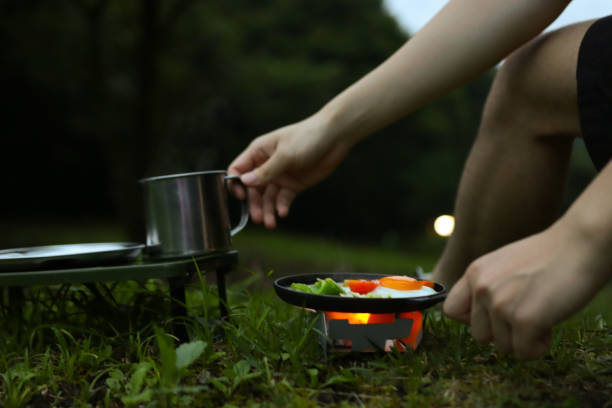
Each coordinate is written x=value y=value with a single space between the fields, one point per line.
x=361 y=324
x=369 y=332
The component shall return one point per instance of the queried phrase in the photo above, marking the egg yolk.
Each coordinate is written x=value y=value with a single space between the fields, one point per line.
x=400 y=283
x=427 y=283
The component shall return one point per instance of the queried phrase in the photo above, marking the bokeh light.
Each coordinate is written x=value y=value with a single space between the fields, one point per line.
x=444 y=225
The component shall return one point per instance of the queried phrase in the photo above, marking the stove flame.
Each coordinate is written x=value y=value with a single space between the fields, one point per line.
x=353 y=318
x=411 y=341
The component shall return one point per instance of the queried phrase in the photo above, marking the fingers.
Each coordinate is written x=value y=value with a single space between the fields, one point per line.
x=241 y=164
x=531 y=336
x=255 y=205
x=283 y=202
x=473 y=302
x=263 y=207
x=269 y=200
x=268 y=171
x=264 y=169
x=502 y=334
x=237 y=189
x=244 y=162
x=481 y=325
x=531 y=344
x=458 y=304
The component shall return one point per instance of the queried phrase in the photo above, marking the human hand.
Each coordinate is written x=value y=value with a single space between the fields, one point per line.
x=277 y=166
x=516 y=294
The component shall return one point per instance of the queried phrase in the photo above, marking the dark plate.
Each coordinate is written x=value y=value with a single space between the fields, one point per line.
x=282 y=286
x=68 y=256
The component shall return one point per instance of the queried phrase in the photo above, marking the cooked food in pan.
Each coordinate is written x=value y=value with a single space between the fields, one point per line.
x=385 y=287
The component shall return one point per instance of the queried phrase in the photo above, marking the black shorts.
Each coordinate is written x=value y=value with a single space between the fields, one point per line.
x=594 y=81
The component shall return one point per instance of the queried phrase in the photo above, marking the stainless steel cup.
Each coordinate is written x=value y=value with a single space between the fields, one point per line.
x=187 y=214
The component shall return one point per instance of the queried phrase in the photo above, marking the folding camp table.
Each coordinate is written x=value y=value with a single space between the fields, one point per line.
x=176 y=272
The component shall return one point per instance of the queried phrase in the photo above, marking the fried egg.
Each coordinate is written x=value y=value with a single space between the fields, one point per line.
x=390 y=287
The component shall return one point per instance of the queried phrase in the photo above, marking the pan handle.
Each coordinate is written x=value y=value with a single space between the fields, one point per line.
x=244 y=206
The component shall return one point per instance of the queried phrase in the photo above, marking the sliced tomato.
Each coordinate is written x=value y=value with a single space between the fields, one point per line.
x=361 y=286
x=400 y=283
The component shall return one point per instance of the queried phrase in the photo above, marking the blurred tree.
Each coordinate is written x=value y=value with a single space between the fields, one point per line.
x=104 y=92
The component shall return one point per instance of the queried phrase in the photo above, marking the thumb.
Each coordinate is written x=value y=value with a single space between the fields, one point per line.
x=268 y=171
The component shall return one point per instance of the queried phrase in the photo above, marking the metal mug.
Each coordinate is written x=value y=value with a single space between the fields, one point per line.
x=187 y=214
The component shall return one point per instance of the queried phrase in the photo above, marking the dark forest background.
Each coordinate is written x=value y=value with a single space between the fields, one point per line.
x=100 y=93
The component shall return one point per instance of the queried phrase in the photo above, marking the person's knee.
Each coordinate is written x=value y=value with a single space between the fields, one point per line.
x=510 y=103
x=534 y=91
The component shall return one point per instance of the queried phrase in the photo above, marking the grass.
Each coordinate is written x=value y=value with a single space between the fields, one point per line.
x=73 y=349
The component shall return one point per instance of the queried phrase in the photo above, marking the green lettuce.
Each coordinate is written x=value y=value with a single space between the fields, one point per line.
x=325 y=286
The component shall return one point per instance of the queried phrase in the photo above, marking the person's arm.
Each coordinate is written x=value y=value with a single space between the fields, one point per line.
x=590 y=216
x=464 y=39
x=515 y=295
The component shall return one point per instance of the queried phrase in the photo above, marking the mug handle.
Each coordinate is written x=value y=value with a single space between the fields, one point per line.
x=244 y=207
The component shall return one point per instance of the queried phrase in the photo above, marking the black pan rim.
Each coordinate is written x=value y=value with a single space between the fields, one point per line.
x=351 y=305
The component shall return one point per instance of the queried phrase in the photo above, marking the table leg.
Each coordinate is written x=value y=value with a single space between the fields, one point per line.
x=178 y=308
x=16 y=301
x=221 y=271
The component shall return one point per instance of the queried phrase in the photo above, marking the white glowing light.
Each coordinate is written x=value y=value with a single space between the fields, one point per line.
x=444 y=225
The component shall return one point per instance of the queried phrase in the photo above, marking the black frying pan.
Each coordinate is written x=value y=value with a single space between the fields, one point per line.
x=282 y=286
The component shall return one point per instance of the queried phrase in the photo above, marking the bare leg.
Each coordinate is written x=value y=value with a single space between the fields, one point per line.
x=513 y=182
